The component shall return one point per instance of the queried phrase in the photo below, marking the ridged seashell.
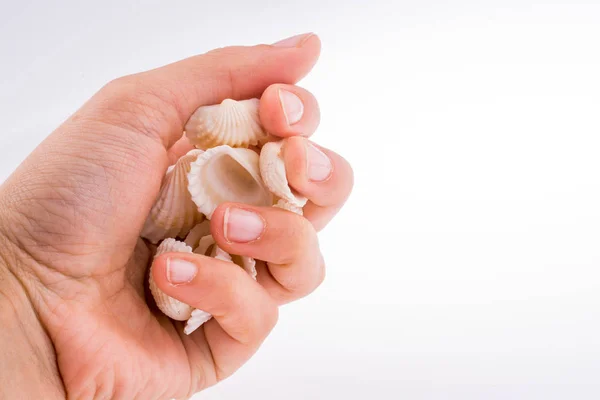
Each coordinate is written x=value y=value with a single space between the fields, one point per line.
x=197 y=233
x=197 y=319
x=174 y=213
x=208 y=247
x=272 y=171
x=233 y=123
x=171 y=307
x=226 y=174
x=286 y=205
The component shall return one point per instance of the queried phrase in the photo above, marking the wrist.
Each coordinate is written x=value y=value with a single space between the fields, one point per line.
x=27 y=356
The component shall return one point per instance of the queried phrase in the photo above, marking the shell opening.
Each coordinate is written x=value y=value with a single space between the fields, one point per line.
x=237 y=182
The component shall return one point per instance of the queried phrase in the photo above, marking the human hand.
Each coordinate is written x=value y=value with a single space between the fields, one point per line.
x=71 y=215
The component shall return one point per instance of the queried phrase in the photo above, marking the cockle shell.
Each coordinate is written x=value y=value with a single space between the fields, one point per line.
x=272 y=171
x=197 y=233
x=233 y=123
x=174 y=213
x=208 y=246
x=286 y=205
x=197 y=319
x=225 y=174
x=171 y=307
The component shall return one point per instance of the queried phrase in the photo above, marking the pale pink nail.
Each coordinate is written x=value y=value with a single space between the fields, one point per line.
x=294 y=41
x=180 y=271
x=292 y=106
x=319 y=165
x=242 y=226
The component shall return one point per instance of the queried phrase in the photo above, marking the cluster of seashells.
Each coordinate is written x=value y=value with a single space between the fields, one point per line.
x=234 y=160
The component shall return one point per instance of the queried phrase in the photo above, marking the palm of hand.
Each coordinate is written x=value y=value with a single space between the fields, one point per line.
x=115 y=333
x=84 y=238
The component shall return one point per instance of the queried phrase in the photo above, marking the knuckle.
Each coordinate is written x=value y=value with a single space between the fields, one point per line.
x=298 y=238
x=122 y=87
x=137 y=104
x=301 y=279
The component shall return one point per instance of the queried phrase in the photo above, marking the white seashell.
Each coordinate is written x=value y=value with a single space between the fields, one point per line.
x=233 y=123
x=171 y=307
x=208 y=247
x=174 y=213
x=284 y=204
x=247 y=263
x=197 y=319
x=197 y=233
x=226 y=174
x=272 y=171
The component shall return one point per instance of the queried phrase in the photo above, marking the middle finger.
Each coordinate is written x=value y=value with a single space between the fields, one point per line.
x=287 y=242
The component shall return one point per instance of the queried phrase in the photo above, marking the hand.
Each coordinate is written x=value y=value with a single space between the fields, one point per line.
x=72 y=213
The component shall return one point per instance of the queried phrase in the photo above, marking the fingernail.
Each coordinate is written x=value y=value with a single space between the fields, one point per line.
x=292 y=106
x=242 y=226
x=294 y=41
x=319 y=165
x=180 y=271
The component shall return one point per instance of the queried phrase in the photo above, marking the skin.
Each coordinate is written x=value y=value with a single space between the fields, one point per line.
x=77 y=320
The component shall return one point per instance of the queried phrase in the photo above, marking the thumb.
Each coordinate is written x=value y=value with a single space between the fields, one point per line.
x=170 y=94
x=103 y=167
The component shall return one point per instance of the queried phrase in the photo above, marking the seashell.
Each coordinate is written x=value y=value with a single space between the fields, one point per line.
x=233 y=123
x=197 y=233
x=272 y=171
x=225 y=174
x=174 y=213
x=286 y=205
x=207 y=246
x=197 y=319
x=171 y=307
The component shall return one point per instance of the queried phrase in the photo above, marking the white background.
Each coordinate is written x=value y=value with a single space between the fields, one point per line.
x=466 y=263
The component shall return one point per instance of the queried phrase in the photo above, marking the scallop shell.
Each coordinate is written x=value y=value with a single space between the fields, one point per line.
x=171 y=307
x=174 y=213
x=233 y=123
x=272 y=171
x=197 y=233
x=207 y=246
x=286 y=205
x=226 y=174
x=197 y=319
